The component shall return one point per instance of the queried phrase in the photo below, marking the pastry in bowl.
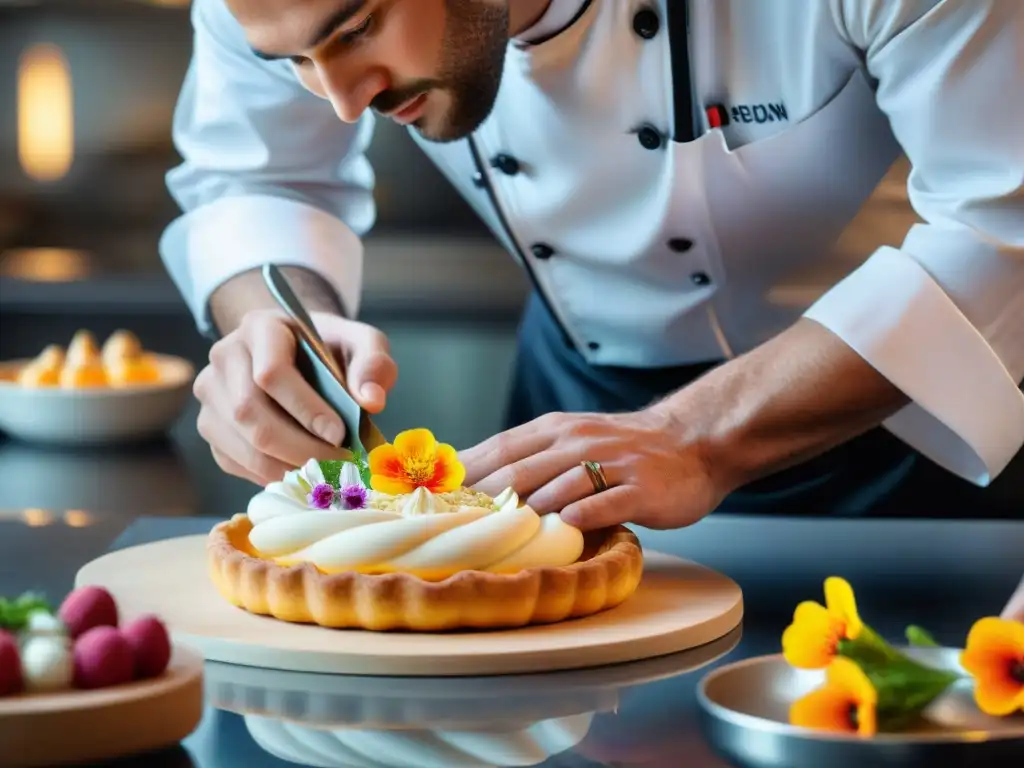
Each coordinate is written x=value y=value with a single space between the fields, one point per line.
x=396 y=542
x=45 y=370
x=122 y=362
x=126 y=362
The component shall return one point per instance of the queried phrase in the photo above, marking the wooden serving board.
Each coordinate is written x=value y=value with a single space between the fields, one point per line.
x=90 y=726
x=678 y=605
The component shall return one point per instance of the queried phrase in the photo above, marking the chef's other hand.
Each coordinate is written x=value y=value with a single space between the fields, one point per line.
x=655 y=477
x=260 y=416
x=1015 y=608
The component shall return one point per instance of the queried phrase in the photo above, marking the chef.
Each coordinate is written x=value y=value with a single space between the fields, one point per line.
x=776 y=248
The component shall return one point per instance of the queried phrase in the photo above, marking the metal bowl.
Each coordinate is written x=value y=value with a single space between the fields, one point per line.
x=745 y=716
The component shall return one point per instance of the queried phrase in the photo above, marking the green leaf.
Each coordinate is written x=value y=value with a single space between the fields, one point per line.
x=863 y=653
x=332 y=472
x=14 y=613
x=905 y=688
x=362 y=462
x=871 y=639
x=920 y=637
x=870 y=648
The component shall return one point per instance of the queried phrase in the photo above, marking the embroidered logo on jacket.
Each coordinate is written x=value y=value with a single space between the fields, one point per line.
x=719 y=117
x=759 y=113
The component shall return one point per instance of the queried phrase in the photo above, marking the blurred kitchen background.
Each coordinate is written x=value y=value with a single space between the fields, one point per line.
x=87 y=92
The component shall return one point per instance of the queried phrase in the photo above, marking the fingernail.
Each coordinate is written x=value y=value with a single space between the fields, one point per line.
x=372 y=392
x=328 y=429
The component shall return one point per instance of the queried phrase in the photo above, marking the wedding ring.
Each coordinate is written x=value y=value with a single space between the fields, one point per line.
x=597 y=476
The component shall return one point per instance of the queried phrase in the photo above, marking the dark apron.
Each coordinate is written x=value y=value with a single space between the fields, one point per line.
x=875 y=474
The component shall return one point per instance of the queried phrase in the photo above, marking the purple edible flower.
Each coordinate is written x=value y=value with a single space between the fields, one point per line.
x=354 y=496
x=321 y=497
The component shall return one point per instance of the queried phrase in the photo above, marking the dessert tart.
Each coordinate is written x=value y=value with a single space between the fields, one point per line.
x=393 y=541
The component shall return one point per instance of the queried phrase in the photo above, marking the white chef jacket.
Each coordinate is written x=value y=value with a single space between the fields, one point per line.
x=667 y=222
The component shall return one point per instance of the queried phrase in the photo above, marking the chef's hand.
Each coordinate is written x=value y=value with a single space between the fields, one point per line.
x=1015 y=608
x=260 y=416
x=656 y=477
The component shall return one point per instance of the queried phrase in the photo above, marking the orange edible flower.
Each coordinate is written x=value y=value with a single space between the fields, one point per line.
x=995 y=659
x=415 y=460
x=845 y=704
x=812 y=640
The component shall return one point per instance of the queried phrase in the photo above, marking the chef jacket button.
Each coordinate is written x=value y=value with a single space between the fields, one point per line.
x=649 y=137
x=680 y=244
x=700 y=278
x=506 y=164
x=646 y=23
x=542 y=251
x=479 y=180
x=593 y=345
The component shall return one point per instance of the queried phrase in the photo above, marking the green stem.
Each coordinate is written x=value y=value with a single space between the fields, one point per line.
x=919 y=637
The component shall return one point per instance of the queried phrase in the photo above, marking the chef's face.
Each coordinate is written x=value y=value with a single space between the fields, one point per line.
x=434 y=64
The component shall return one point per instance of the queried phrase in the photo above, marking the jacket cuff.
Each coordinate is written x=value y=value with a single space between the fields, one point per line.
x=967 y=413
x=211 y=244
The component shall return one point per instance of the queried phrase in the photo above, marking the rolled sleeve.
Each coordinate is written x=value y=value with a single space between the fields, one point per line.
x=942 y=316
x=269 y=173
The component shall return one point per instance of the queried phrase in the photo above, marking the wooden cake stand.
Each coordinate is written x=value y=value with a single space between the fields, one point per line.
x=678 y=605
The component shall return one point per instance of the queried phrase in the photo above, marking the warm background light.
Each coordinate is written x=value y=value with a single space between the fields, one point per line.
x=77 y=518
x=45 y=113
x=37 y=518
x=44 y=265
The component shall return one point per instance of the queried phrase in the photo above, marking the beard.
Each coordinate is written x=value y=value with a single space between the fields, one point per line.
x=472 y=64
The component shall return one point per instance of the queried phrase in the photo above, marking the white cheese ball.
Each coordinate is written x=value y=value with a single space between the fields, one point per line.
x=43 y=623
x=47 y=664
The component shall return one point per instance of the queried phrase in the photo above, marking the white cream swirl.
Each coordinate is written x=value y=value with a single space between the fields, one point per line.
x=422 y=534
x=517 y=745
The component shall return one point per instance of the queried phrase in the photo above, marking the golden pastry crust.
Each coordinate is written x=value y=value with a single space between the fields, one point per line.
x=121 y=345
x=607 y=573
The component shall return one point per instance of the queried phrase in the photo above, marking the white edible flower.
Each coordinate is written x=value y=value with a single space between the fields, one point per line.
x=311 y=475
x=297 y=483
x=47 y=664
x=349 y=475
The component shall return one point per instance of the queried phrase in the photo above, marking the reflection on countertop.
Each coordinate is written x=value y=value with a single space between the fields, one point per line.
x=76 y=487
x=61 y=507
x=515 y=720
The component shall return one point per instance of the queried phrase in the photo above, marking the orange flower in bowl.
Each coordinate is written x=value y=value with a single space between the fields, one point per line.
x=415 y=460
x=812 y=640
x=846 y=703
x=995 y=659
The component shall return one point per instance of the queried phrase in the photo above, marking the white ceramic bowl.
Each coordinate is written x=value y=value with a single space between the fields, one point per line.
x=102 y=416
